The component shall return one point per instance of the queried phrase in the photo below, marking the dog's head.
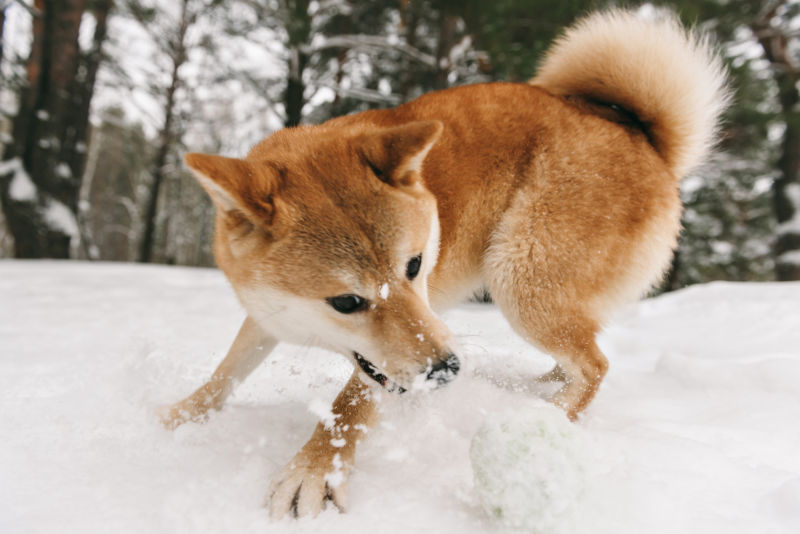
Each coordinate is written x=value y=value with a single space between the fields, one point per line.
x=328 y=236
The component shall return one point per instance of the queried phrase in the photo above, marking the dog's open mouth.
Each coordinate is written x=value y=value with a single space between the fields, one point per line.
x=372 y=371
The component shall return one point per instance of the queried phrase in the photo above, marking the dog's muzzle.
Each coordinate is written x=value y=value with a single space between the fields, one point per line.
x=439 y=374
x=444 y=371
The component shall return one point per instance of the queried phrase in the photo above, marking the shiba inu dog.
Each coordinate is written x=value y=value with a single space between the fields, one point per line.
x=560 y=196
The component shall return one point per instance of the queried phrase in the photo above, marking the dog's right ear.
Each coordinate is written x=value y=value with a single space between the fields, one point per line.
x=235 y=185
x=395 y=154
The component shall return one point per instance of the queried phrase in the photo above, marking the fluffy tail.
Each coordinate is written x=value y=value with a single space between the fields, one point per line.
x=667 y=76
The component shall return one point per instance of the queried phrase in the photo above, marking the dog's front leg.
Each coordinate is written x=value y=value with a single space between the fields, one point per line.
x=319 y=471
x=248 y=350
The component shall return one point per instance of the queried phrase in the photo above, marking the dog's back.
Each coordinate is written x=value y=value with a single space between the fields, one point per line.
x=562 y=196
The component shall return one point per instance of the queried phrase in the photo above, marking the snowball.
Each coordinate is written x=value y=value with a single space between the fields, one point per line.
x=529 y=468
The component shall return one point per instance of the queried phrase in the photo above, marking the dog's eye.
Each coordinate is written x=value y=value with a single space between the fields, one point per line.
x=412 y=269
x=347 y=303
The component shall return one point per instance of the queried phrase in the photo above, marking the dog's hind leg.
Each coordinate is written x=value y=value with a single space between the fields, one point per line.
x=569 y=337
x=584 y=366
x=556 y=374
x=543 y=292
x=248 y=350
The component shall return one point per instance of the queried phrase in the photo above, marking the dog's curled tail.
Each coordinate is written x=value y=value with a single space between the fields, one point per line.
x=667 y=76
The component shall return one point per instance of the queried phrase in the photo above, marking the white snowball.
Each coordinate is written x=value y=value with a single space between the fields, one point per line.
x=529 y=467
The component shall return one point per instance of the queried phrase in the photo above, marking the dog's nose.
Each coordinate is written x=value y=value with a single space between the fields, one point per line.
x=444 y=370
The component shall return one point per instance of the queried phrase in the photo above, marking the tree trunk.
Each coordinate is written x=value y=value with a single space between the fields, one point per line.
x=40 y=208
x=84 y=86
x=344 y=27
x=410 y=19
x=295 y=88
x=84 y=89
x=166 y=138
x=2 y=25
x=299 y=29
x=446 y=41
x=786 y=190
x=672 y=281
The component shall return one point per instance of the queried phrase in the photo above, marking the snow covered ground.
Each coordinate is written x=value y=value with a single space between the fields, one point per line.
x=695 y=430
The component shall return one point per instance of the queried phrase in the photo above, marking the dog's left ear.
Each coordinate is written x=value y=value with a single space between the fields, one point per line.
x=396 y=154
x=237 y=187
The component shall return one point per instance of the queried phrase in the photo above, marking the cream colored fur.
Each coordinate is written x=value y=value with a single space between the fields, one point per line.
x=668 y=76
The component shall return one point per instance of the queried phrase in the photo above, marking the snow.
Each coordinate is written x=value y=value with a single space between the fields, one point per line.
x=322 y=410
x=63 y=171
x=694 y=429
x=336 y=477
x=21 y=188
x=792 y=226
x=792 y=192
x=58 y=216
x=790 y=258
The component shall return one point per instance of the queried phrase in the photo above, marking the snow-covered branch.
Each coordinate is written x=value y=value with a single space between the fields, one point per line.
x=367 y=95
x=371 y=42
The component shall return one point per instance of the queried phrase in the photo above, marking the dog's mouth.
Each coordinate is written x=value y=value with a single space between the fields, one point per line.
x=371 y=371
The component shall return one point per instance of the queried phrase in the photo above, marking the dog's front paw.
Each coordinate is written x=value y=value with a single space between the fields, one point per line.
x=305 y=484
x=173 y=416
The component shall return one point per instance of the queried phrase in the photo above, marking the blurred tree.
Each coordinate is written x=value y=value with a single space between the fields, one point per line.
x=41 y=174
x=171 y=39
x=733 y=204
x=117 y=172
x=331 y=52
x=298 y=30
x=284 y=62
x=727 y=219
x=775 y=27
x=3 y=6
x=177 y=30
x=515 y=33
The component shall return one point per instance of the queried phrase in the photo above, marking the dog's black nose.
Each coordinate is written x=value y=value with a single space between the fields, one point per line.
x=444 y=370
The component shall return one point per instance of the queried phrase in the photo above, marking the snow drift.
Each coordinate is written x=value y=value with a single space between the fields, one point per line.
x=694 y=429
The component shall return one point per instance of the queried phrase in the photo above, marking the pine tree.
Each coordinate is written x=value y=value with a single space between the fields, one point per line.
x=775 y=29
x=732 y=217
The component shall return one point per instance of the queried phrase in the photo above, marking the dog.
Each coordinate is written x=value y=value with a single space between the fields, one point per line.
x=559 y=195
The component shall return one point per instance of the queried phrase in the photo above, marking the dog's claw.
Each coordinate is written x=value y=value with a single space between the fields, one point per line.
x=301 y=490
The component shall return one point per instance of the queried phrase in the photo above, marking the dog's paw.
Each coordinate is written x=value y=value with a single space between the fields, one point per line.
x=303 y=487
x=556 y=374
x=174 y=415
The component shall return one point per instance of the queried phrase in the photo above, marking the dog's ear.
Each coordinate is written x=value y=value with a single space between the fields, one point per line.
x=395 y=154
x=236 y=186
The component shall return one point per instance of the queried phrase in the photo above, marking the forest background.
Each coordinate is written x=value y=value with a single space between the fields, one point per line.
x=100 y=99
